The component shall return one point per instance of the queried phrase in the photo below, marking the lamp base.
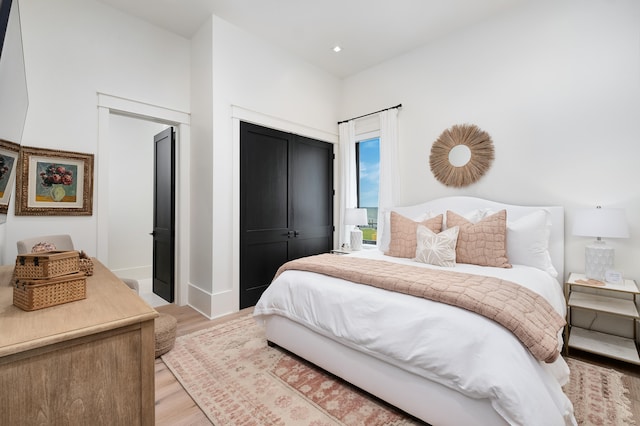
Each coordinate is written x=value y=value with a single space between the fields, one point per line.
x=598 y=258
x=356 y=239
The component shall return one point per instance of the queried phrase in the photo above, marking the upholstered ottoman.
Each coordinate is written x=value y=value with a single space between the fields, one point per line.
x=165 y=331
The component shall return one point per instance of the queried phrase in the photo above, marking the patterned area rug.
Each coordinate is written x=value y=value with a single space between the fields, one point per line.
x=236 y=379
x=598 y=395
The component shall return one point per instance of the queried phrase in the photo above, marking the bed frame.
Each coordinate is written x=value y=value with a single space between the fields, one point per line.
x=428 y=401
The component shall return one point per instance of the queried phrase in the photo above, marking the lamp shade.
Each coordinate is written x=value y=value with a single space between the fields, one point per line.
x=601 y=223
x=355 y=217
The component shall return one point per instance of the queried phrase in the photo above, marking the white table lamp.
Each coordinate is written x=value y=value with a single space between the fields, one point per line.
x=356 y=217
x=600 y=223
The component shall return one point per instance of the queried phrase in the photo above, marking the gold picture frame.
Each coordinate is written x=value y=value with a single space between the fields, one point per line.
x=9 y=153
x=54 y=183
x=477 y=151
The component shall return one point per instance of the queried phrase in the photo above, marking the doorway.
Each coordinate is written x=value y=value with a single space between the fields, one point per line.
x=112 y=184
x=131 y=212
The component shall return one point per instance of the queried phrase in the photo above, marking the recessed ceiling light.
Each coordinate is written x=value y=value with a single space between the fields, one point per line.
x=337 y=49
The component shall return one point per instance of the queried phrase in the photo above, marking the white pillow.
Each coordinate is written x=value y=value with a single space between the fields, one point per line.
x=527 y=238
x=528 y=241
x=436 y=249
x=473 y=216
x=385 y=239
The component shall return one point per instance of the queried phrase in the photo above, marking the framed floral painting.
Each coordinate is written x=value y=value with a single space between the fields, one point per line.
x=9 y=152
x=54 y=183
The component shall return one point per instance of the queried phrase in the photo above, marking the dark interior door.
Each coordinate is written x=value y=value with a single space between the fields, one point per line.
x=286 y=204
x=164 y=214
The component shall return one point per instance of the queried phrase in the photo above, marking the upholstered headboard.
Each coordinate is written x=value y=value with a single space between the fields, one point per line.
x=514 y=212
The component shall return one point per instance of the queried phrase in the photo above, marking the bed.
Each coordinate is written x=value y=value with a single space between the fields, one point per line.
x=440 y=363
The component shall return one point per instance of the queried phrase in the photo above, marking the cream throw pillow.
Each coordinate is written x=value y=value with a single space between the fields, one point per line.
x=436 y=249
x=528 y=241
x=483 y=243
x=403 y=234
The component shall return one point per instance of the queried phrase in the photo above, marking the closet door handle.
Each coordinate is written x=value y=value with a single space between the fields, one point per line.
x=290 y=234
x=296 y=233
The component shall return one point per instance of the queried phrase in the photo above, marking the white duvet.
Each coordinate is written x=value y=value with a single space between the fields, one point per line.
x=452 y=346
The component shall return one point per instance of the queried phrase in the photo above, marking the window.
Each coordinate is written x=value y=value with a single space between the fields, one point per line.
x=368 y=173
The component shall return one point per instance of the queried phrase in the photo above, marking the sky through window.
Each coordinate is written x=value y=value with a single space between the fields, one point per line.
x=369 y=172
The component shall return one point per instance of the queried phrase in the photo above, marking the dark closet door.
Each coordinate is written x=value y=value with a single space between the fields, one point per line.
x=311 y=197
x=264 y=208
x=286 y=204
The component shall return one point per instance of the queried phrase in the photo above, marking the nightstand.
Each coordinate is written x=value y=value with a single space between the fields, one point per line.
x=618 y=300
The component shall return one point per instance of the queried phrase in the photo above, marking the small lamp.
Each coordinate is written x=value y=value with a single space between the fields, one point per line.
x=599 y=223
x=356 y=217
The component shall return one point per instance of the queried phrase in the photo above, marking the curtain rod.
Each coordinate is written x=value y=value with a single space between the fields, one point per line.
x=371 y=113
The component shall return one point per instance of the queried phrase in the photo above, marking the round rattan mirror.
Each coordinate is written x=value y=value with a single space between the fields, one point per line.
x=461 y=155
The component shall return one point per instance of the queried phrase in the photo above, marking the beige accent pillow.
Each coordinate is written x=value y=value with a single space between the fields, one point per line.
x=403 y=234
x=436 y=249
x=483 y=243
x=384 y=237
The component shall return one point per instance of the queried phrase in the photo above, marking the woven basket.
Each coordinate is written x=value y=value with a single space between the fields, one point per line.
x=49 y=264
x=86 y=266
x=31 y=295
x=165 y=331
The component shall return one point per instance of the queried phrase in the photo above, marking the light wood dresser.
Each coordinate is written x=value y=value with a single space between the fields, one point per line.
x=88 y=362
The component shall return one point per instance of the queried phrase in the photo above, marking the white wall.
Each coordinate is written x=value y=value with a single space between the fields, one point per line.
x=557 y=86
x=74 y=49
x=200 y=221
x=285 y=92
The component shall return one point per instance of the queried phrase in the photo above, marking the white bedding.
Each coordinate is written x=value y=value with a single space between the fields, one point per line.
x=457 y=348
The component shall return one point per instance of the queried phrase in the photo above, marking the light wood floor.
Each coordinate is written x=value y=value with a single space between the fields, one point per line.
x=174 y=407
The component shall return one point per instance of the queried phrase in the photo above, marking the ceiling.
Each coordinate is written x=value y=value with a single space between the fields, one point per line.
x=369 y=31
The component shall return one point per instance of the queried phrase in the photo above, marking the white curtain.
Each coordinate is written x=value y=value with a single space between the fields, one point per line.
x=389 y=192
x=348 y=189
x=389 y=187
